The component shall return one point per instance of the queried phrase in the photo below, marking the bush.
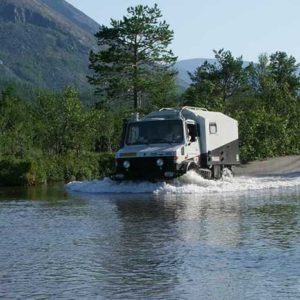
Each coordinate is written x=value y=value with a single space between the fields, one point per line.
x=20 y=172
x=106 y=164
x=84 y=166
x=67 y=167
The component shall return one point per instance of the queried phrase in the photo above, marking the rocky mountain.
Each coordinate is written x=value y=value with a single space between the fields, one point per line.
x=45 y=43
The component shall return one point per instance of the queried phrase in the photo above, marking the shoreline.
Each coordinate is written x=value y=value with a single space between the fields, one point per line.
x=276 y=166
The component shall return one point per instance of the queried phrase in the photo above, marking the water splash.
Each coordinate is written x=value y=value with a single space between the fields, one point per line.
x=190 y=183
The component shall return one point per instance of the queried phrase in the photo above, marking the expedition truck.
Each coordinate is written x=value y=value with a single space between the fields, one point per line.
x=172 y=141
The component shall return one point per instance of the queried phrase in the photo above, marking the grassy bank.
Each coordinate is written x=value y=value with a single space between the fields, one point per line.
x=66 y=167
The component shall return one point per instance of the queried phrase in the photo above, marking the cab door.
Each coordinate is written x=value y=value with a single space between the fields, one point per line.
x=192 y=141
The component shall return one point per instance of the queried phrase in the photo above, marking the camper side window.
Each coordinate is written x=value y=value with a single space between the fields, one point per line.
x=212 y=128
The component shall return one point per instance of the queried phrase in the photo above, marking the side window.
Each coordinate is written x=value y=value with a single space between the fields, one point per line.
x=192 y=132
x=213 y=128
x=133 y=134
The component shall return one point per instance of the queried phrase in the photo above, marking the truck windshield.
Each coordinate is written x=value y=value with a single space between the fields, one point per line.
x=155 y=132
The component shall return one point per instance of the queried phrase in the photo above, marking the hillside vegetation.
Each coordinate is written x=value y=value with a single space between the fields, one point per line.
x=45 y=43
x=263 y=97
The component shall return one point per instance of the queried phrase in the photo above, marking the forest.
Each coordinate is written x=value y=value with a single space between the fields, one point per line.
x=63 y=136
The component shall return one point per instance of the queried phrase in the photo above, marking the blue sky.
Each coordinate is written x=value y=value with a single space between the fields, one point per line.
x=245 y=27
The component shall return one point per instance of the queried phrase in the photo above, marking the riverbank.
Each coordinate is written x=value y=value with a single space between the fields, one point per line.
x=28 y=173
x=56 y=168
x=284 y=165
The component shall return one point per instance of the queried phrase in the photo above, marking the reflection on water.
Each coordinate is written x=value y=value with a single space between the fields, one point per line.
x=55 y=244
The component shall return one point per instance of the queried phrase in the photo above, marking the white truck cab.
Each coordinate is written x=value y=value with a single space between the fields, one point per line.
x=167 y=143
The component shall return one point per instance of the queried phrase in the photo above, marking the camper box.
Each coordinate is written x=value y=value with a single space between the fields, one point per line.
x=218 y=136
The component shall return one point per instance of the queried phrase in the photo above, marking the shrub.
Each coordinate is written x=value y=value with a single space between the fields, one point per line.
x=20 y=172
x=83 y=166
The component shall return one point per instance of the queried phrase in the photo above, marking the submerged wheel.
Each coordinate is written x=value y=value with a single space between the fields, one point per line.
x=191 y=166
x=227 y=172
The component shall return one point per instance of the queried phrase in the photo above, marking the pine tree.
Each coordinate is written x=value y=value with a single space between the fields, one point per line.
x=133 y=52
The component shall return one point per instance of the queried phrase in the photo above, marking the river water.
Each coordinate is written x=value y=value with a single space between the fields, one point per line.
x=237 y=238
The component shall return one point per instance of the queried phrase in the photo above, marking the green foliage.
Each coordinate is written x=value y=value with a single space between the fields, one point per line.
x=108 y=126
x=263 y=97
x=63 y=123
x=213 y=84
x=16 y=133
x=263 y=134
x=20 y=172
x=160 y=95
x=54 y=138
x=133 y=54
x=85 y=166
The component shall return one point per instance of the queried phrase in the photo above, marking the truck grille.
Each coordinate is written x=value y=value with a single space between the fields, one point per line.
x=146 y=165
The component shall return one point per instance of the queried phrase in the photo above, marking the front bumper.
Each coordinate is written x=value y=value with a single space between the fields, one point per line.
x=147 y=168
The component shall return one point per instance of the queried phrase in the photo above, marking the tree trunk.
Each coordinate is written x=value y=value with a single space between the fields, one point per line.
x=135 y=76
x=135 y=97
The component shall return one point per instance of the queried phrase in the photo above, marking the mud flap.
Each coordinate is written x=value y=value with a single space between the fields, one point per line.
x=216 y=172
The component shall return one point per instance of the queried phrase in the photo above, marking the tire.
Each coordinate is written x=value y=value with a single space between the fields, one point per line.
x=191 y=166
x=227 y=172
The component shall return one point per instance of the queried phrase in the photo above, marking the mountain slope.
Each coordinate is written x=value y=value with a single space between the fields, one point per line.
x=45 y=43
x=73 y=15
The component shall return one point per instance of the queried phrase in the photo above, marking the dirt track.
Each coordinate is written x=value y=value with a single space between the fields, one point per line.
x=285 y=165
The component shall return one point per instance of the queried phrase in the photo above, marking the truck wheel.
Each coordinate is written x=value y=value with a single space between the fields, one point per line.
x=191 y=166
x=227 y=173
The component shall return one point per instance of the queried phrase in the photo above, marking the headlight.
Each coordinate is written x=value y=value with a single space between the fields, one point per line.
x=126 y=164
x=160 y=162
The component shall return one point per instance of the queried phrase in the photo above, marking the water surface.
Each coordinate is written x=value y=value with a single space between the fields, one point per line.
x=191 y=239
